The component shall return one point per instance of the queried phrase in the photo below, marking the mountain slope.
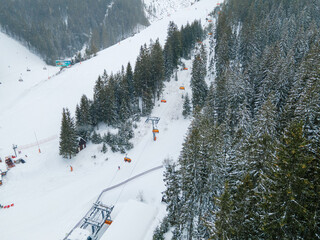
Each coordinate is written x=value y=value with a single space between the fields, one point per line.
x=49 y=199
x=61 y=28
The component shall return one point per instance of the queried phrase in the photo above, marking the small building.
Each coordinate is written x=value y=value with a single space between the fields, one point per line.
x=81 y=144
x=9 y=162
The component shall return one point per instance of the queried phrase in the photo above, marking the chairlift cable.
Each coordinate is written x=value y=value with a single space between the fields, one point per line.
x=138 y=159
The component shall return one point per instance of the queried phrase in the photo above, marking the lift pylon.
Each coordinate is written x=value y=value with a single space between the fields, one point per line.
x=93 y=221
x=154 y=121
x=97 y=217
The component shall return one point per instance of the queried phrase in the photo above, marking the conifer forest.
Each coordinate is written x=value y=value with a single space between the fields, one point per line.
x=250 y=163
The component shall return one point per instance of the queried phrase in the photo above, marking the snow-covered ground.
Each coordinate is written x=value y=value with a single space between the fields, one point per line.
x=156 y=9
x=48 y=198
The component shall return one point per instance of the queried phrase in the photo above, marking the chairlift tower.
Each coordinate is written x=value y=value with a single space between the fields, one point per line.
x=154 y=121
x=94 y=220
x=14 y=147
x=97 y=218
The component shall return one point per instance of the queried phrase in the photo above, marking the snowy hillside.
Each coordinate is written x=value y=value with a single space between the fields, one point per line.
x=48 y=198
x=156 y=10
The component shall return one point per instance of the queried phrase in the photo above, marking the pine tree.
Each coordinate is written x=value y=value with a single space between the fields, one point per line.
x=99 y=98
x=223 y=228
x=293 y=203
x=172 y=193
x=308 y=106
x=142 y=80
x=96 y=138
x=168 y=61
x=221 y=97
x=68 y=145
x=104 y=148
x=198 y=84
x=130 y=83
x=110 y=104
x=124 y=107
x=83 y=118
x=186 y=107
x=174 y=39
x=202 y=173
x=246 y=223
x=157 y=69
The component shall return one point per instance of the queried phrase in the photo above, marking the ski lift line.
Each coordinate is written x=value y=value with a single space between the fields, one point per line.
x=133 y=178
x=138 y=159
x=114 y=176
x=129 y=180
x=10 y=74
x=123 y=183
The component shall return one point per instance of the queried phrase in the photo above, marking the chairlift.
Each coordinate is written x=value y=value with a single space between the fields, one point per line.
x=126 y=159
x=163 y=100
x=108 y=222
x=155 y=130
x=185 y=68
x=181 y=88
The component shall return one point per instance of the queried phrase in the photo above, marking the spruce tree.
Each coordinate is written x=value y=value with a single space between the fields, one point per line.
x=186 y=107
x=198 y=84
x=110 y=104
x=99 y=97
x=172 y=193
x=157 y=69
x=68 y=145
x=83 y=118
x=293 y=206
x=104 y=148
x=143 y=80
x=223 y=228
x=130 y=84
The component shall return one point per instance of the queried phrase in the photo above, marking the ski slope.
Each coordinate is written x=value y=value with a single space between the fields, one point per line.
x=48 y=198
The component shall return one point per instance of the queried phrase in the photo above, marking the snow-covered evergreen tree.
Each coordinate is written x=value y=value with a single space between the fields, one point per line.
x=83 y=118
x=292 y=205
x=198 y=84
x=68 y=145
x=186 y=107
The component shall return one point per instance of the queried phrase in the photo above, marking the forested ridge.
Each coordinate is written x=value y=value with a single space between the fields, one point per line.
x=121 y=98
x=59 y=29
x=250 y=164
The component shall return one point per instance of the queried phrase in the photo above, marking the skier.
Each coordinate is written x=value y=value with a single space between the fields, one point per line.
x=118 y=167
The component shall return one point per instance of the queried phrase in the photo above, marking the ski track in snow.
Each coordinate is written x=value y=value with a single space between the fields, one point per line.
x=49 y=199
